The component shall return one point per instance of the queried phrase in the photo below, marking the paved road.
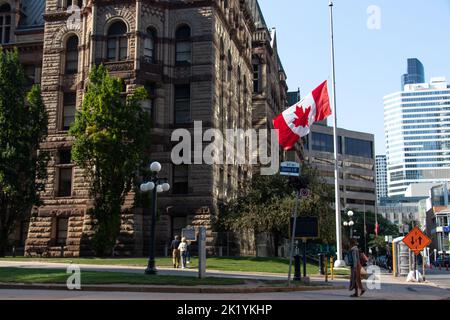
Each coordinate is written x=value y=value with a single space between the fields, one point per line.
x=388 y=292
x=436 y=288
x=439 y=278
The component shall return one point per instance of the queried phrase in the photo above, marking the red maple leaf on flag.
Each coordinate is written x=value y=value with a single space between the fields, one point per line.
x=302 y=119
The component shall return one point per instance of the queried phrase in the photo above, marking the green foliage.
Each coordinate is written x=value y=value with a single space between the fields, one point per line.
x=267 y=203
x=387 y=228
x=112 y=137
x=23 y=126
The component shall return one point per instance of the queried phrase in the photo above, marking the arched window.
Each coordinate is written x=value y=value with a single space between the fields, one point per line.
x=72 y=55
x=150 y=46
x=5 y=23
x=183 y=45
x=117 y=42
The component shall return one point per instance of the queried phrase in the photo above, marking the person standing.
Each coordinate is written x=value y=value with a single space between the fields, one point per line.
x=175 y=252
x=188 y=253
x=355 y=265
x=183 y=247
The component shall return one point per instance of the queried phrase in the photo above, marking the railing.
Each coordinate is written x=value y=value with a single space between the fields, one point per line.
x=117 y=66
x=151 y=66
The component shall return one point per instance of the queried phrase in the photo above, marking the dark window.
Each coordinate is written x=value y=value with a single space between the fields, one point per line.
x=72 y=55
x=149 y=104
x=149 y=46
x=65 y=156
x=322 y=142
x=76 y=3
x=65 y=182
x=30 y=74
x=182 y=104
x=62 y=227
x=183 y=45
x=117 y=42
x=256 y=78
x=359 y=148
x=180 y=179
x=5 y=23
x=65 y=173
x=69 y=109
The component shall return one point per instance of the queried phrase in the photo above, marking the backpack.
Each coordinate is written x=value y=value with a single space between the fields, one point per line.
x=349 y=259
x=363 y=259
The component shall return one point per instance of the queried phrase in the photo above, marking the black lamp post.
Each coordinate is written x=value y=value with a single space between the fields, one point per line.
x=156 y=185
x=350 y=223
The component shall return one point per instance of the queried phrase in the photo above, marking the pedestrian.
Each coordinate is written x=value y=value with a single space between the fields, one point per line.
x=175 y=252
x=188 y=253
x=355 y=266
x=183 y=247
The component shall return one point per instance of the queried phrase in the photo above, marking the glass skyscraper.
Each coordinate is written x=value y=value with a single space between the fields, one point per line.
x=381 y=177
x=416 y=73
x=417 y=129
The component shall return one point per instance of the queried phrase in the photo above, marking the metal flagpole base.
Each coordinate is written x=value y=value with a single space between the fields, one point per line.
x=339 y=264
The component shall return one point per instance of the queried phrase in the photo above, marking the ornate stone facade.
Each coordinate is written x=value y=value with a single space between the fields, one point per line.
x=213 y=48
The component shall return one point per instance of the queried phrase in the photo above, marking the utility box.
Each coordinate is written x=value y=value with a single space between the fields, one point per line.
x=402 y=258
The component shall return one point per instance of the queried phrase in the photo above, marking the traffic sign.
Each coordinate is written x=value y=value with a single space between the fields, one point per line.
x=416 y=240
x=290 y=169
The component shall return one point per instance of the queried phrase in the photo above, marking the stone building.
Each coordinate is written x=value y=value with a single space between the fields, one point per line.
x=213 y=61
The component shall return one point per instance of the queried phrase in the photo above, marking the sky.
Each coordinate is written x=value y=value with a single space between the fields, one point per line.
x=369 y=61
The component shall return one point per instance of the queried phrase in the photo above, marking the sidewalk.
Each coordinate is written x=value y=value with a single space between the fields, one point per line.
x=253 y=286
x=392 y=288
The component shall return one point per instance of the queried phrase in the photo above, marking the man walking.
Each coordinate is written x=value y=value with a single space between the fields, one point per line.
x=175 y=252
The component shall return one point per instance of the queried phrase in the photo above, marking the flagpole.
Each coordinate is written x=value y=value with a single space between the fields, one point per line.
x=339 y=261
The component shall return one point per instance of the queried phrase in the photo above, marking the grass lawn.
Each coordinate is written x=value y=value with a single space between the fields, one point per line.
x=244 y=264
x=20 y=275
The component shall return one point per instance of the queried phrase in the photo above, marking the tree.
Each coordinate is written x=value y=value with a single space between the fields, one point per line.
x=112 y=140
x=23 y=126
x=267 y=202
x=387 y=228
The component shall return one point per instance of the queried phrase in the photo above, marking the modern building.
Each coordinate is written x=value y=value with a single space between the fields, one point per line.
x=356 y=161
x=415 y=74
x=213 y=61
x=417 y=129
x=293 y=97
x=405 y=212
x=381 y=177
x=438 y=217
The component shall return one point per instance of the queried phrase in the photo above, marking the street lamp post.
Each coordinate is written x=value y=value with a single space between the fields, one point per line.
x=350 y=223
x=156 y=185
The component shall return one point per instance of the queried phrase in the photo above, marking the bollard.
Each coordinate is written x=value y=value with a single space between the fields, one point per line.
x=14 y=251
x=332 y=268
x=326 y=269
x=297 y=272
x=321 y=264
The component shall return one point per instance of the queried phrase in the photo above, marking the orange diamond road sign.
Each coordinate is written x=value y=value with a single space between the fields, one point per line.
x=416 y=240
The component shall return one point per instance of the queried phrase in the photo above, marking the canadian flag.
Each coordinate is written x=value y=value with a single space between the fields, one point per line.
x=296 y=121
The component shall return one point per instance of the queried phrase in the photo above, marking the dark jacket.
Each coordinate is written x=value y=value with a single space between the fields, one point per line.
x=175 y=244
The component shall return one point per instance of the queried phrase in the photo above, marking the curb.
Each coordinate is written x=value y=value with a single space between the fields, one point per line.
x=151 y=289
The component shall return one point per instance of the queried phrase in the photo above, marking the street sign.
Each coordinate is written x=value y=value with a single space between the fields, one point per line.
x=306 y=227
x=416 y=240
x=290 y=168
x=190 y=234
